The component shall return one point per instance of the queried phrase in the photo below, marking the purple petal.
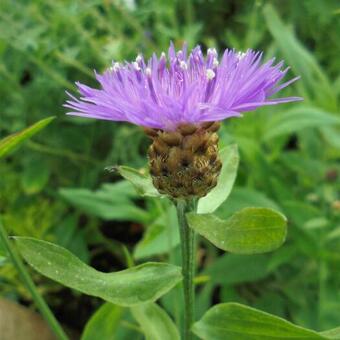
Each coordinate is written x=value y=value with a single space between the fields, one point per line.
x=164 y=92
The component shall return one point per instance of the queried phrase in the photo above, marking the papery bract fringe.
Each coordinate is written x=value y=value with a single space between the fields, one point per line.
x=185 y=163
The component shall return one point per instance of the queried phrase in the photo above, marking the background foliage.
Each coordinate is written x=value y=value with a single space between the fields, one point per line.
x=56 y=187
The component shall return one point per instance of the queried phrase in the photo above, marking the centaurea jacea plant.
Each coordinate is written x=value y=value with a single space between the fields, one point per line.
x=179 y=100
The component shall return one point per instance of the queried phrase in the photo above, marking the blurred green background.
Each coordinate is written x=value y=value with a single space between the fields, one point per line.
x=56 y=188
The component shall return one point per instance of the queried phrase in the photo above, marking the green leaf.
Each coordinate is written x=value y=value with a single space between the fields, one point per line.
x=155 y=322
x=332 y=333
x=238 y=322
x=105 y=204
x=283 y=256
x=104 y=323
x=35 y=175
x=297 y=119
x=67 y=234
x=140 y=284
x=242 y=198
x=331 y=135
x=160 y=236
x=142 y=182
x=3 y=251
x=8 y=144
x=119 y=190
x=231 y=269
x=315 y=83
x=249 y=231
x=230 y=159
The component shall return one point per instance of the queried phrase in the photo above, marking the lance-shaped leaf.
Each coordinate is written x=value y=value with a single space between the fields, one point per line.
x=230 y=158
x=8 y=144
x=234 y=322
x=140 y=284
x=155 y=322
x=249 y=231
x=142 y=182
x=104 y=323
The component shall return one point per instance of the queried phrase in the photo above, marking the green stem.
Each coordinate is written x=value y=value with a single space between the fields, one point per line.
x=188 y=265
x=40 y=302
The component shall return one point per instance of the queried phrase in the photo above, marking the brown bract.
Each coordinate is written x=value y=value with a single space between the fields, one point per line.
x=185 y=163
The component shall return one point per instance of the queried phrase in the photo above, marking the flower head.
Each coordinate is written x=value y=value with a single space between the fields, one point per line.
x=167 y=91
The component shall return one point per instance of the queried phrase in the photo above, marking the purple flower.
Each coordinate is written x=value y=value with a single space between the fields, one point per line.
x=180 y=88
